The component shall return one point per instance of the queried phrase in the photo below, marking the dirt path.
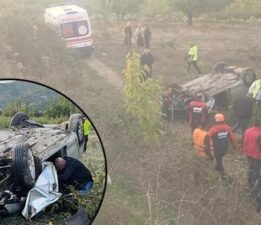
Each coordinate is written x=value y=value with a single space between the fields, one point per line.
x=115 y=80
x=104 y=71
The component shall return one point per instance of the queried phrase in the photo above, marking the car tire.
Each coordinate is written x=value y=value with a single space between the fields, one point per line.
x=248 y=76
x=76 y=125
x=18 y=118
x=38 y=166
x=220 y=67
x=24 y=165
x=174 y=86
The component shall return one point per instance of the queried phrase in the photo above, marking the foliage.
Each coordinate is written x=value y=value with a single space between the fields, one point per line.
x=242 y=9
x=32 y=46
x=13 y=108
x=155 y=7
x=221 y=9
x=123 y=7
x=194 y=8
x=143 y=99
x=60 y=108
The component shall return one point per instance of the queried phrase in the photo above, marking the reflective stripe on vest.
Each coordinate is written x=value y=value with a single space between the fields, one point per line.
x=255 y=88
x=86 y=127
x=193 y=53
x=199 y=136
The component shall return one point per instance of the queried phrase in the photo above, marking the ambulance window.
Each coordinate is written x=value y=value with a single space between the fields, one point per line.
x=67 y=30
x=74 y=29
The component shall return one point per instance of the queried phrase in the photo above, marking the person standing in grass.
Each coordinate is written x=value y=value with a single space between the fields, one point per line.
x=255 y=92
x=221 y=135
x=147 y=36
x=204 y=152
x=146 y=61
x=202 y=142
x=197 y=112
x=193 y=58
x=128 y=34
x=252 y=150
x=242 y=110
x=86 y=130
x=139 y=36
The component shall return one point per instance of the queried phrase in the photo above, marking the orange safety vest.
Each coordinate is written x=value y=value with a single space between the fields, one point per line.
x=199 y=136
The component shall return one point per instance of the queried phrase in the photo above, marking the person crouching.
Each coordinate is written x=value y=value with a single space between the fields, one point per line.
x=73 y=172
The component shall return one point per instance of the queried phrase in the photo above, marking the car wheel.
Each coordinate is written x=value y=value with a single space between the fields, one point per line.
x=24 y=165
x=76 y=125
x=220 y=67
x=38 y=166
x=248 y=77
x=174 y=86
x=18 y=119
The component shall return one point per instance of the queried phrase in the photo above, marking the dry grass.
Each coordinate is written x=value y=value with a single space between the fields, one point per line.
x=155 y=185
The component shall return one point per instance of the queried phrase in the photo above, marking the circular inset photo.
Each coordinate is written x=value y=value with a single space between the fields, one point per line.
x=52 y=161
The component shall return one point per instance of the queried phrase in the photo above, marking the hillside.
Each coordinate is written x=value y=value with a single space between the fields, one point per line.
x=32 y=95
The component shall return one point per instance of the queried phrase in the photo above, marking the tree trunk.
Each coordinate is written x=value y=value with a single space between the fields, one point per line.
x=190 y=18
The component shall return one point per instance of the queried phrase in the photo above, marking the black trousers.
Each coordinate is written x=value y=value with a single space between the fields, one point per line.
x=254 y=180
x=195 y=65
x=254 y=166
x=85 y=142
x=219 y=154
x=147 y=42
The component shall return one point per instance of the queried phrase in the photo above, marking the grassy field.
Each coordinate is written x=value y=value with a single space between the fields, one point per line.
x=167 y=194
x=153 y=185
x=230 y=43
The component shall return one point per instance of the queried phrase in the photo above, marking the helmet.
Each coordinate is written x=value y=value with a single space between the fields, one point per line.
x=219 y=117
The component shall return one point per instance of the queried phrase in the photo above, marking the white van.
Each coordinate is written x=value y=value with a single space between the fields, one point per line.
x=73 y=25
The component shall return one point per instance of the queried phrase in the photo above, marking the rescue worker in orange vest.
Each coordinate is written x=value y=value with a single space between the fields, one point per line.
x=197 y=112
x=221 y=134
x=202 y=142
x=203 y=147
x=252 y=150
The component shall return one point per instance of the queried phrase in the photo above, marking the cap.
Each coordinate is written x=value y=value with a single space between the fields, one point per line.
x=219 y=117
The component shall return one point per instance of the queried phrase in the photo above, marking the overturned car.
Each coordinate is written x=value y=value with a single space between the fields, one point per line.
x=28 y=179
x=219 y=87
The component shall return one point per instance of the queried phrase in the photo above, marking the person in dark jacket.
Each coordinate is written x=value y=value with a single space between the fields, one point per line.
x=146 y=61
x=128 y=34
x=221 y=134
x=197 y=112
x=166 y=107
x=147 y=36
x=73 y=172
x=139 y=36
x=242 y=110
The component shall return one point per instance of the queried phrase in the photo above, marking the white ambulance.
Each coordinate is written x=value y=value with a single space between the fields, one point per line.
x=73 y=24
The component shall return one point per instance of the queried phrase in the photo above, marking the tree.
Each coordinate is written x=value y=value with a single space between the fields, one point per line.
x=155 y=7
x=62 y=107
x=193 y=8
x=124 y=7
x=143 y=99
